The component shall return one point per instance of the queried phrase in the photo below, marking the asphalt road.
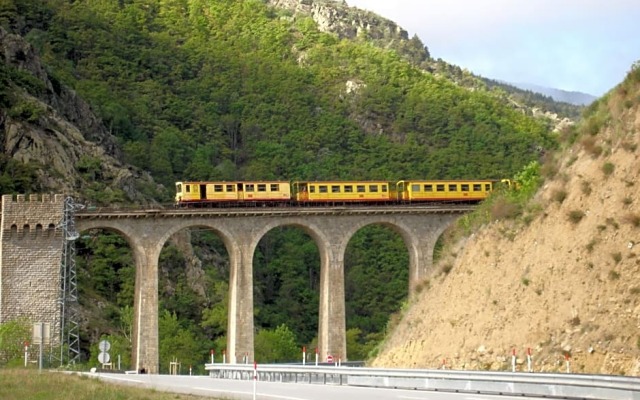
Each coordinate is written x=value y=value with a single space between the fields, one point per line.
x=244 y=390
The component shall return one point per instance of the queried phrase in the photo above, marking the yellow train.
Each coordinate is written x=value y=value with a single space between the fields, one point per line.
x=247 y=193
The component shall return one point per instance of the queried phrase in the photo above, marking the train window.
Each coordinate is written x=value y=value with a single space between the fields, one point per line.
x=262 y=187
x=415 y=188
x=440 y=188
x=360 y=189
x=179 y=187
x=274 y=187
x=217 y=188
x=348 y=189
x=373 y=188
x=312 y=189
x=477 y=187
x=188 y=188
x=453 y=187
x=487 y=187
x=384 y=188
x=464 y=187
x=322 y=189
x=428 y=188
x=335 y=189
x=249 y=187
x=230 y=188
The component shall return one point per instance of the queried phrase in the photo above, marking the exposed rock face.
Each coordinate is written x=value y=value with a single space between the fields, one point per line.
x=565 y=281
x=59 y=130
x=17 y=52
x=337 y=17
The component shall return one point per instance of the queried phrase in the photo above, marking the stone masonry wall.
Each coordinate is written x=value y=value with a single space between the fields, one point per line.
x=31 y=245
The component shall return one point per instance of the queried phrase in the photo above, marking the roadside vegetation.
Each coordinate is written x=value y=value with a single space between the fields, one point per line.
x=20 y=384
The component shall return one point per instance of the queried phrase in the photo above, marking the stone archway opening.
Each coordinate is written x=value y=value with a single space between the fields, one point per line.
x=106 y=274
x=286 y=265
x=193 y=289
x=376 y=287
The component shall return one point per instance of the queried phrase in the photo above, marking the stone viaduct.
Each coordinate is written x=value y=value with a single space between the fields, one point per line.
x=241 y=230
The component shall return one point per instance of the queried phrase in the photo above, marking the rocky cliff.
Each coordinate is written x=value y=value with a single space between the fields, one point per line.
x=350 y=23
x=45 y=123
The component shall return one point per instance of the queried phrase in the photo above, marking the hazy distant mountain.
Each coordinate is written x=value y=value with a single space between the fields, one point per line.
x=577 y=98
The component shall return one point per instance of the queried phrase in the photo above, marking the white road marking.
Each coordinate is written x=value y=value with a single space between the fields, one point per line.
x=261 y=394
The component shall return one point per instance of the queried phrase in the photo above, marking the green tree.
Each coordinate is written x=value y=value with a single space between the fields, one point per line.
x=277 y=345
x=13 y=335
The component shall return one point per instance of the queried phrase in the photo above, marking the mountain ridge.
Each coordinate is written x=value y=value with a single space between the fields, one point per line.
x=565 y=96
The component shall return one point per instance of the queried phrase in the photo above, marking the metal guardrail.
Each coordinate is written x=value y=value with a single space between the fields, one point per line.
x=567 y=386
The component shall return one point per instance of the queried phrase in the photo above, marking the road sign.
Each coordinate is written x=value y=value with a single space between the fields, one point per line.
x=329 y=358
x=104 y=358
x=41 y=333
x=104 y=346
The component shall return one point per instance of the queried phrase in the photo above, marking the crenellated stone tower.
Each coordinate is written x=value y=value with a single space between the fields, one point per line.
x=31 y=246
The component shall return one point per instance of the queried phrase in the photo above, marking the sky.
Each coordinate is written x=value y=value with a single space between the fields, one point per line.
x=575 y=45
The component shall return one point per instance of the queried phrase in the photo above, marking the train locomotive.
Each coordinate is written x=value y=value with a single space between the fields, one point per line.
x=305 y=193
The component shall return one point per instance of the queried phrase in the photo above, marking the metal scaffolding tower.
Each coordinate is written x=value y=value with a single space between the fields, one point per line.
x=69 y=326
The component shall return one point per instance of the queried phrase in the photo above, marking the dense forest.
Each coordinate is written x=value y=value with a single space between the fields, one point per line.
x=224 y=90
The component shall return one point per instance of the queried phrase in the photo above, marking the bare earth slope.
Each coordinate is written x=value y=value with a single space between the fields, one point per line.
x=566 y=283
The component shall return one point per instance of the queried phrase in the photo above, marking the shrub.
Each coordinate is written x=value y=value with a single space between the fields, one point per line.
x=585 y=186
x=614 y=275
x=504 y=209
x=608 y=168
x=559 y=195
x=447 y=268
x=590 y=146
x=628 y=146
x=616 y=257
x=576 y=216
x=633 y=219
x=29 y=111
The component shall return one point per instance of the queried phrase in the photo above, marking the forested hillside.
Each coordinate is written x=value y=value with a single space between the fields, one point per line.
x=217 y=89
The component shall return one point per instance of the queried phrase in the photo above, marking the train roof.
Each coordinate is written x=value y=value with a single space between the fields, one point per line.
x=343 y=182
x=448 y=180
x=227 y=182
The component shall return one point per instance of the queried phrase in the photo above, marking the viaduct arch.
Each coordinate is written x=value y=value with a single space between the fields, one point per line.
x=241 y=230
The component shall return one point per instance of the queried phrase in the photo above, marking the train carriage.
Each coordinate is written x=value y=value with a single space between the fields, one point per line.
x=441 y=190
x=238 y=192
x=343 y=191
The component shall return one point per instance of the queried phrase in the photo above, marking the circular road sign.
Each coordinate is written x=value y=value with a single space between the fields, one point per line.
x=329 y=358
x=104 y=358
x=104 y=346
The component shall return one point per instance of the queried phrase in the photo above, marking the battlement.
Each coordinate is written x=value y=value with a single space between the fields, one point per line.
x=32 y=215
x=32 y=198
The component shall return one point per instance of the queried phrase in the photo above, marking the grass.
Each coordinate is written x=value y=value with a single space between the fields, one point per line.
x=20 y=384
